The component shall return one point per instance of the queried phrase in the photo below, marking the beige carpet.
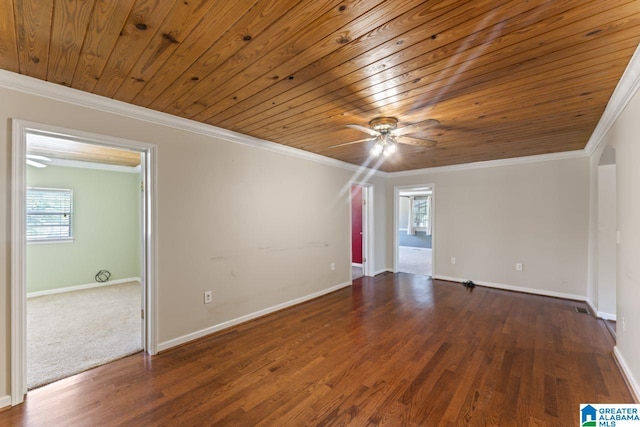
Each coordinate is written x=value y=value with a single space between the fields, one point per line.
x=74 y=331
x=414 y=260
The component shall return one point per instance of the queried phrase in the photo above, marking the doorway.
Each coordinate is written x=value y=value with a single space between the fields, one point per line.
x=607 y=238
x=356 y=232
x=361 y=213
x=84 y=291
x=68 y=149
x=413 y=230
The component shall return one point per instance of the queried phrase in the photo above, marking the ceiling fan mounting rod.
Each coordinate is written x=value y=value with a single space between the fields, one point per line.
x=384 y=124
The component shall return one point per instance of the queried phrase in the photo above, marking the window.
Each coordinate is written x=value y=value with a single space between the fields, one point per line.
x=421 y=210
x=420 y=213
x=49 y=214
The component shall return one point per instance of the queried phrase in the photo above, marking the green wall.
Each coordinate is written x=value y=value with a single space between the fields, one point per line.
x=106 y=228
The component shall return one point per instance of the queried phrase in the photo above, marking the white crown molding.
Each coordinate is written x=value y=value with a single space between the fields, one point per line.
x=91 y=165
x=624 y=91
x=56 y=92
x=492 y=163
x=628 y=85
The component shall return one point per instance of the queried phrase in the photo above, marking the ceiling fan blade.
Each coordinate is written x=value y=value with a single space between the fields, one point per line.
x=37 y=157
x=413 y=126
x=427 y=143
x=364 y=129
x=352 y=142
x=35 y=164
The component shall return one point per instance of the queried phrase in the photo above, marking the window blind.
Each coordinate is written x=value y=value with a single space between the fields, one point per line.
x=49 y=214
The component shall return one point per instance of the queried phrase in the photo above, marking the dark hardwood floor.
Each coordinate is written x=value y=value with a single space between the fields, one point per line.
x=391 y=350
x=611 y=327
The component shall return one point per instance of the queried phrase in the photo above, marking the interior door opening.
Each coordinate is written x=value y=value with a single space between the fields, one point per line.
x=607 y=239
x=357 y=232
x=83 y=253
x=83 y=264
x=362 y=236
x=414 y=230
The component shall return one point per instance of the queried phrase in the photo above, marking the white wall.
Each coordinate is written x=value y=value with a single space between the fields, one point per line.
x=607 y=246
x=403 y=209
x=256 y=227
x=623 y=136
x=492 y=218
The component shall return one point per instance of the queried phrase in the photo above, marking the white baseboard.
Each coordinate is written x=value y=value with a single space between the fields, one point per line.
x=626 y=372
x=355 y=264
x=516 y=288
x=592 y=307
x=5 y=401
x=81 y=287
x=233 y=322
x=384 y=270
x=606 y=316
x=600 y=314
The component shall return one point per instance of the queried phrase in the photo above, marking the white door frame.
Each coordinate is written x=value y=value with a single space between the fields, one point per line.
x=600 y=285
x=18 y=245
x=396 y=221
x=367 y=229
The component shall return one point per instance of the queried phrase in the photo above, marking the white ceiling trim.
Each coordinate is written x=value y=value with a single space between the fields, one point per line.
x=10 y=80
x=625 y=89
x=493 y=163
x=56 y=92
x=92 y=165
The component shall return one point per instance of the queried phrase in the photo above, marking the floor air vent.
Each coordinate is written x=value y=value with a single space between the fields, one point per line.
x=582 y=310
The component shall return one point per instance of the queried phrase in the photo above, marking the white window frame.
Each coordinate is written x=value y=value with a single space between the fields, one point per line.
x=53 y=239
x=416 y=225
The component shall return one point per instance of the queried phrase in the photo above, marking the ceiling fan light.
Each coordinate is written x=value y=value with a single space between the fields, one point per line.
x=390 y=149
x=377 y=149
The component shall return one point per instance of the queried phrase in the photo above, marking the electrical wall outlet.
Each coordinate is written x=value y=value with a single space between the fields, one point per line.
x=208 y=297
x=519 y=266
x=453 y=260
x=333 y=266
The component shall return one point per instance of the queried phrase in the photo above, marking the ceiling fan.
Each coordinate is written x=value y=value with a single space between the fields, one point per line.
x=387 y=135
x=37 y=161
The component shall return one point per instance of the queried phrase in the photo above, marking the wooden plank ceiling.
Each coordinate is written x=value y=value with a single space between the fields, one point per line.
x=62 y=148
x=503 y=78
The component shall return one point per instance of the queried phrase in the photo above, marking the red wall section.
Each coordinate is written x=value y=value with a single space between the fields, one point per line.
x=356 y=224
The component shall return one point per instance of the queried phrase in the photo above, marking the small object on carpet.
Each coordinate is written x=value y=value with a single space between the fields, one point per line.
x=103 y=276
